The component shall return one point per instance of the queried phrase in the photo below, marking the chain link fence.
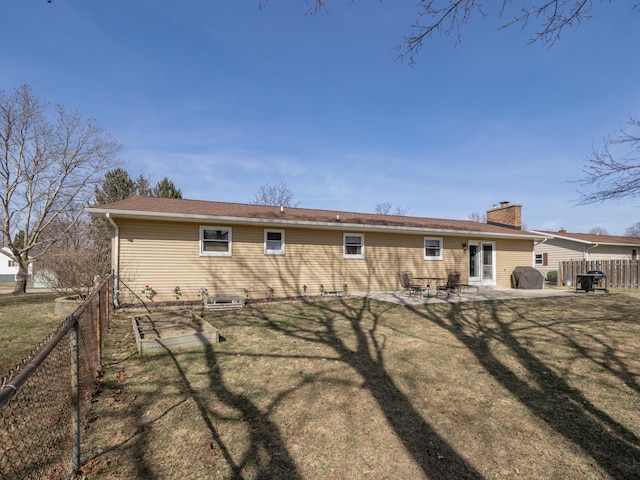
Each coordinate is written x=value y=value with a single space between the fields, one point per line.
x=45 y=398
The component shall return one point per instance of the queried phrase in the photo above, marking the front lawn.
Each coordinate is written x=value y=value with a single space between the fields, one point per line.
x=359 y=389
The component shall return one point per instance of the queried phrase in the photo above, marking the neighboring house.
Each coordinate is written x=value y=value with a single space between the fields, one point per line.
x=236 y=249
x=564 y=246
x=9 y=267
x=45 y=279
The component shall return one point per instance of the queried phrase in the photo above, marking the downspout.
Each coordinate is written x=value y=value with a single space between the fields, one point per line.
x=542 y=241
x=116 y=261
x=586 y=250
x=535 y=244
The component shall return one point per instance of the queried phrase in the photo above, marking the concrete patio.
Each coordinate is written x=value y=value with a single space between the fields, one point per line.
x=468 y=295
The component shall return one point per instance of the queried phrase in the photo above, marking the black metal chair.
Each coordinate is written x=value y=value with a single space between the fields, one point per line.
x=409 y=285
x=453 y=285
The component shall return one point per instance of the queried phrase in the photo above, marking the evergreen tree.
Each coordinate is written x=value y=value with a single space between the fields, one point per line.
x=166 y=189
x=117 y=185
x=19 y=240
x=143 y=187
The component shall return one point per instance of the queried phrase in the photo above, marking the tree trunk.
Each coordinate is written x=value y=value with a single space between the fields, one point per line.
x=21 y=280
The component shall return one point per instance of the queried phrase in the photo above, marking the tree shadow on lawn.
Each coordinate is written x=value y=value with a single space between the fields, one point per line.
x=546 y=394
x=429 y=450
x=265 y=439
x=549 y=397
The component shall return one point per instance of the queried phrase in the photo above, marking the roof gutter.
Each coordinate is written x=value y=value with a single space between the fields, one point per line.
x=542 y=241
x=335 y=225
x=586 y=250
x=116 y=260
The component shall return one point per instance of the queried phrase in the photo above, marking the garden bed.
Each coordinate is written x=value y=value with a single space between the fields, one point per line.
x=163 y=332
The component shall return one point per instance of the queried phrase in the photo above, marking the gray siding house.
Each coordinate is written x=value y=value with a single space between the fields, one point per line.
x=564 y=246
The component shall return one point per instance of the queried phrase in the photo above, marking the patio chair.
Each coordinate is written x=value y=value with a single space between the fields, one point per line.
x=409 y=285
x=453 y=285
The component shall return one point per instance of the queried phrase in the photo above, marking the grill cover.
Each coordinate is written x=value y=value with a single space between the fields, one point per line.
x=527 y=278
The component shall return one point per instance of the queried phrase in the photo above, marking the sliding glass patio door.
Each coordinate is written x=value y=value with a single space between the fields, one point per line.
x=482 y=262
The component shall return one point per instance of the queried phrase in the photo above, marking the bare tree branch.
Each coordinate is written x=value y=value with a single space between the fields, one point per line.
x=555 y=16
x=385 y=208
x=277 y=195
x=49 y=164
x=610 y=174
x=633 y=231
x=445 y=17
x=449 y=16
x=71 y=264
x=478 y=217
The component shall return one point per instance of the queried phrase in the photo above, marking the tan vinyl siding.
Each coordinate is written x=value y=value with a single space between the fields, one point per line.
x=509 y=255
x=164 y=255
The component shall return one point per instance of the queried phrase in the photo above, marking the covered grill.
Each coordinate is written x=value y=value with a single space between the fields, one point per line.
x=527 y=278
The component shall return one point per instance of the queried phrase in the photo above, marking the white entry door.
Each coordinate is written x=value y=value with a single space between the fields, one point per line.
x=482 y=262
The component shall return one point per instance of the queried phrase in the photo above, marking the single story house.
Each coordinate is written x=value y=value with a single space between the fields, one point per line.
x=9 y=267
x=168 y=249
x=563 y=246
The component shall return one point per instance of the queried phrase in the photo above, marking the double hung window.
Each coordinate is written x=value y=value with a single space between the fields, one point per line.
x=353 y=245
x=540 y=259
x=274 y=242
x=432 y=248
x=215 y=241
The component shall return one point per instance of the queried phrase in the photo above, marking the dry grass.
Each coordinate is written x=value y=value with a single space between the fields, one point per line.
x=536 y=389
x=25 y=320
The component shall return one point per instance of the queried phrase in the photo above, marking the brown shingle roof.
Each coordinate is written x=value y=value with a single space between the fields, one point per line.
x=593 y=238
x=193 y=210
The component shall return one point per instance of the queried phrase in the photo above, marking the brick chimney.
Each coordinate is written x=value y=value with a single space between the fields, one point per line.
x=505 y=215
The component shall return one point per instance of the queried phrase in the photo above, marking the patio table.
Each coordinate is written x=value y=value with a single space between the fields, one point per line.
x=428 y=281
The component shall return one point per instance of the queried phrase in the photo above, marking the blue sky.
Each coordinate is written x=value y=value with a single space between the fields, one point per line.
x=222 y=97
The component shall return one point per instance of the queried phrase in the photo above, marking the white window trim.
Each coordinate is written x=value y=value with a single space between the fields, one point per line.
x=269 y=251
x=214 y=254
x=424 y=248
x=344 y=245
x=535 y=263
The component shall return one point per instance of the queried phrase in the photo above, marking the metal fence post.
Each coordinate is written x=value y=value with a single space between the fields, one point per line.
x=75 y=396
x=60 y=378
